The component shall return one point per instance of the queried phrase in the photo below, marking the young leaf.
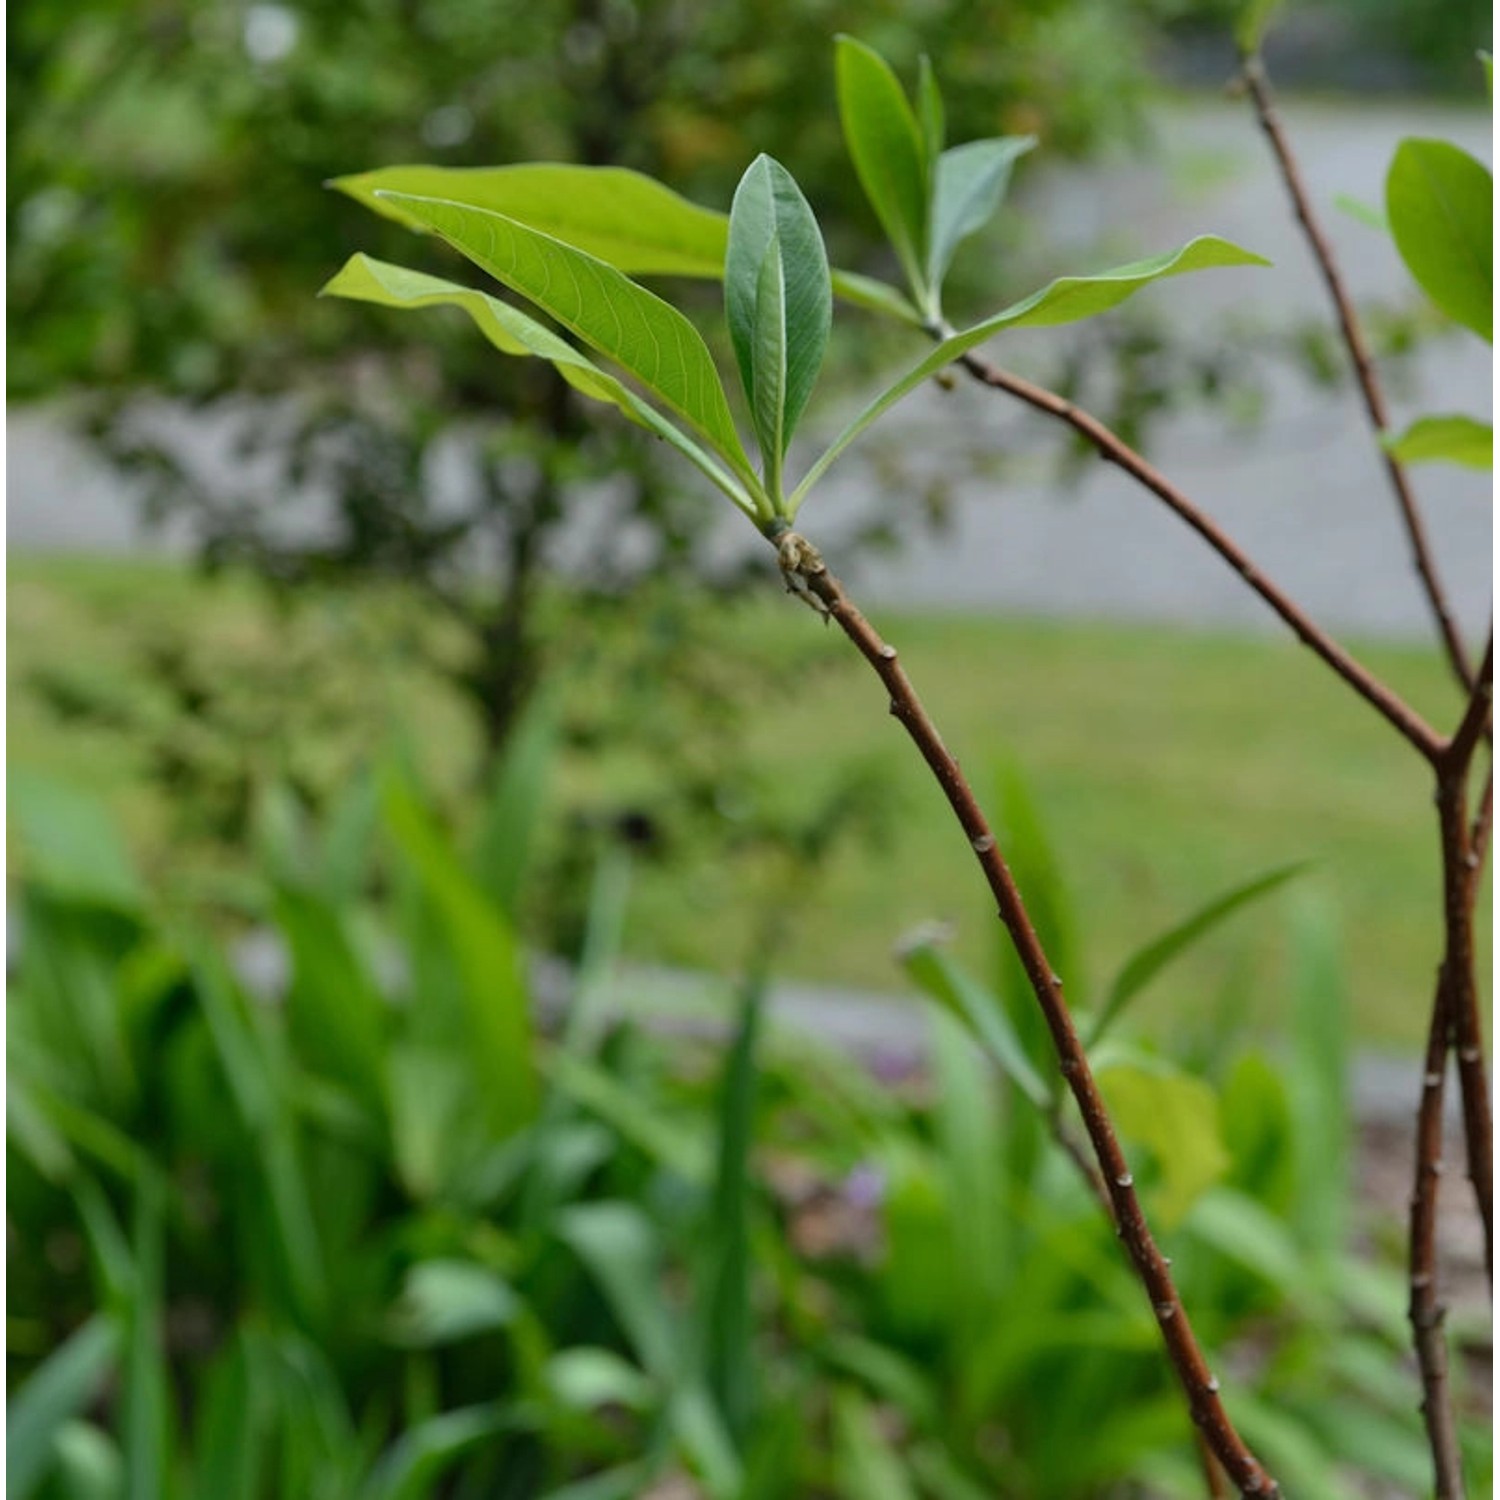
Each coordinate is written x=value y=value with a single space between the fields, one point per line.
x=603 y=307
x=1366 y=213
x=930 y=113
x=1439 y=203
x=779 y=304
x=633 y=222
x=512 y=332
x=1065 y=300
x=970 y=182
x=1147 y=962
x=885 y=144
x=1454 y=440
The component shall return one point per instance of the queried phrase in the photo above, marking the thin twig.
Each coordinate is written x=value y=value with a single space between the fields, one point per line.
x=1259 y=88
x=1425 y=1307
x=1115 y=450
x=1461 y=869
x=807 y=575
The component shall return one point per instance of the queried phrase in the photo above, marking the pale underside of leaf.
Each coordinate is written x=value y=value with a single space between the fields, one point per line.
x=970 y=181
x=364 y=279
x=646 y=336
x=1062 y=301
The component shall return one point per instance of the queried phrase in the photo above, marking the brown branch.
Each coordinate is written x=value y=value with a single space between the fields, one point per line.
x=1461 y=867
x=1484 y=822
x=807 y=575
x=1259 y=87
x=1425 y=1308
x=1115 y=450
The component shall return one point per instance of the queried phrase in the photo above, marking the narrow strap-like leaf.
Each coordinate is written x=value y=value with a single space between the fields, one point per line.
x=1065 y=300
x=364 y=279
x=609 y=312
x=885 y=144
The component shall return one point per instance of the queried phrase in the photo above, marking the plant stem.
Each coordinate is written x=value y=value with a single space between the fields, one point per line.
x=1425 y=1307
x=1461 y=868
x=1115 y=450
x=1259 y=87
x=808 y=574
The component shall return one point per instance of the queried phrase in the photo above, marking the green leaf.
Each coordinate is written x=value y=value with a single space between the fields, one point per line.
x=1439 y=203
x=866 y=1466
x=498 y=1045
x=779 y=304
x=609 y=312
x=62 y=1386
x=727 y=1318
x=1452 y=439
x=930 y=113
x=885 y=144
x=982 y=1012
x=146 y=1397
x=633 y=222
x=1250 y=29
x=970 y=181
x=516 y=801
x=1065 y=300
x=1176 y=1117
x=585 y=1378
x=512 y=332
x=1149 y=960
x=443 y=1301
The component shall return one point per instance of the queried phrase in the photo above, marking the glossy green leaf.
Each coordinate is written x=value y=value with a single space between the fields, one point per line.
x=644 y=335
x=633 y=222
x=1439 y=200
x=969 y=184
x=779 y=304
x=56 y=1391
x=512 y=332
x=1149 y=960
x=981 y=1011
x=885 y=144
x=1451 y=440
x=1065 y=300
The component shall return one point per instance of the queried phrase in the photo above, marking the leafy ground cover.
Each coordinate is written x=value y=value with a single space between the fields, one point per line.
x=172 y=695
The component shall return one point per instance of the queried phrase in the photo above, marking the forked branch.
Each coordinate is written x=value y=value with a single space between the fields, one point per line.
x=1113 y=448
x=807 y=575
x=1259 y=88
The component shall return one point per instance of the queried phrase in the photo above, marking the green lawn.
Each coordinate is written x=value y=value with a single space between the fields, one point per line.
x=1167 y=765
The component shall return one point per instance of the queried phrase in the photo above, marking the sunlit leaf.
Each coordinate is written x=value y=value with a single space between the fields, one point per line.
x=885 y=144
x=1452 y=440
x=1439 y=200
x=1065 y=300
x=364 y=279
x=644 y=335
